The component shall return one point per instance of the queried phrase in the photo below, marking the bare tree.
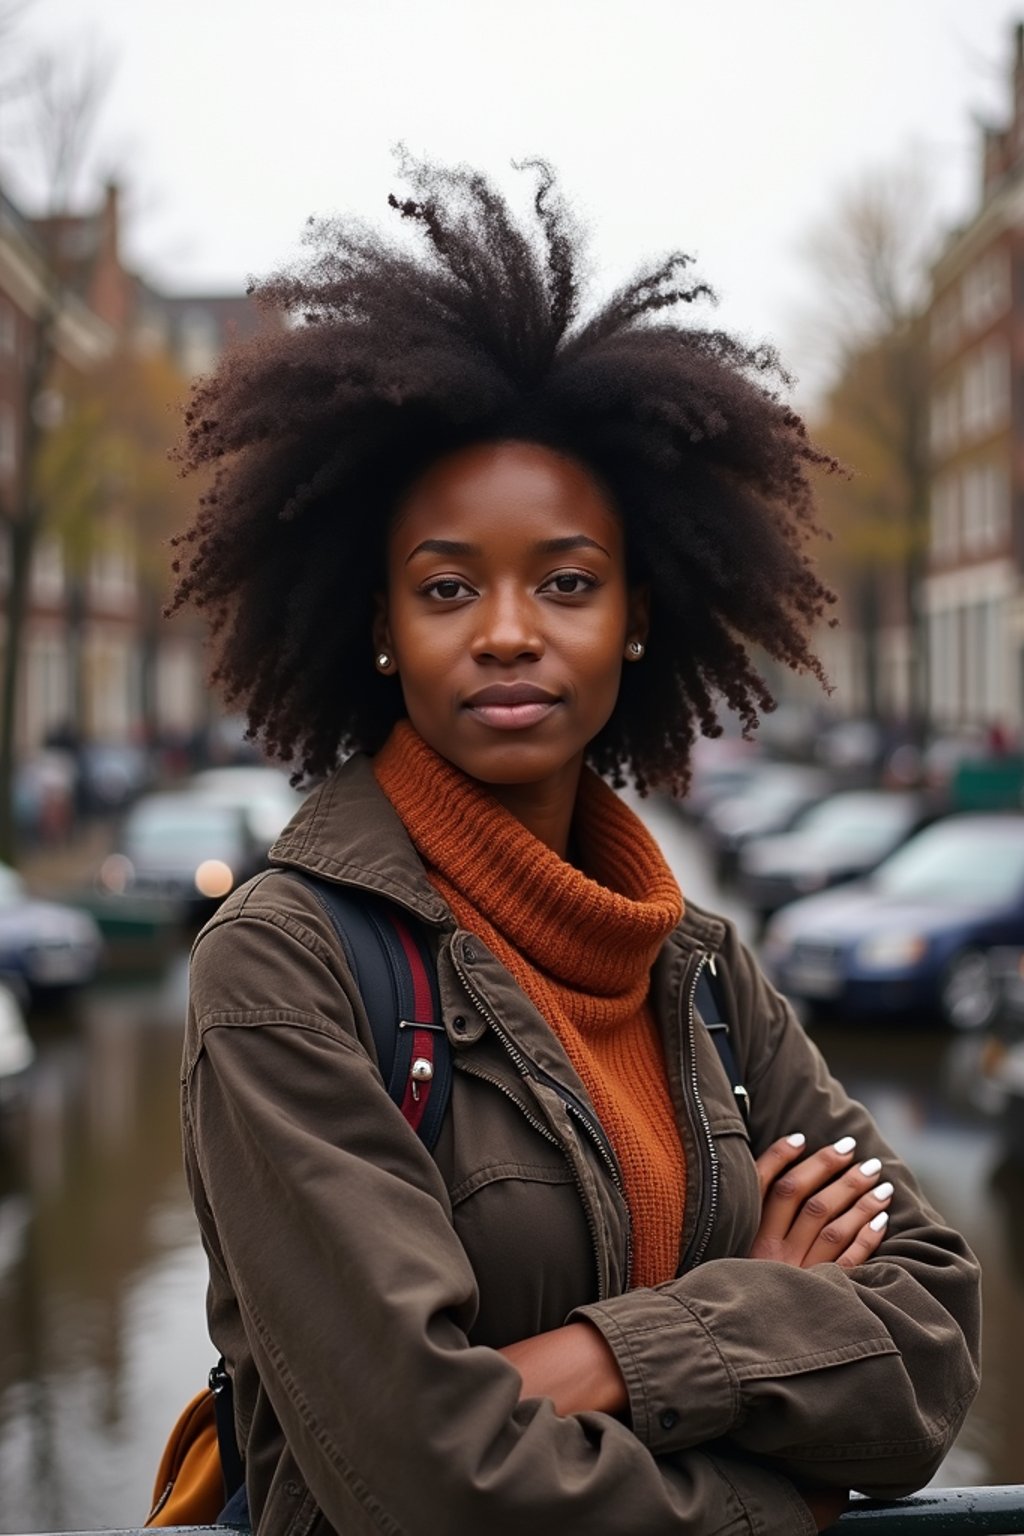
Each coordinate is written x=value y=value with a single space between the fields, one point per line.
x=871 y=260
x=61 y=106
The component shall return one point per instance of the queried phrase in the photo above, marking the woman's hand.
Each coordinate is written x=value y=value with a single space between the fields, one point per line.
x=822 y=1209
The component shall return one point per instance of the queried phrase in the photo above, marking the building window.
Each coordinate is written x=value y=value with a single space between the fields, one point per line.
x=985 y=290
x=984 y=643
x=985 y=389
x=112 y=572
x=945 y=518
x=197 y=341
x=986 y=507
x=945 y=663
x=945 y=420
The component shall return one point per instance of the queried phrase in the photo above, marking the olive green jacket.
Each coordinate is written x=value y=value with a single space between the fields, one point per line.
x=359 y=1286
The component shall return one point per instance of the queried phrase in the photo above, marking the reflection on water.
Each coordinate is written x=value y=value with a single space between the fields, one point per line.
x=102 y=1335
x=918 y=1087
x=102 y=1332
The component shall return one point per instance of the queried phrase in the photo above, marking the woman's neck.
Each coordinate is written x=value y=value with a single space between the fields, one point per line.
x=545 y=809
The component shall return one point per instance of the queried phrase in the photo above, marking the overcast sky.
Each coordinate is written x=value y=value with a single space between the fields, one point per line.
x=726 y=127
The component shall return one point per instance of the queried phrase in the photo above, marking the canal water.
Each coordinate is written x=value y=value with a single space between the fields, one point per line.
x=102 y=1334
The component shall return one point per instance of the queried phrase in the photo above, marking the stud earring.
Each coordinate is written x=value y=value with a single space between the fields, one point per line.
x=384 y=662
x=635 y=649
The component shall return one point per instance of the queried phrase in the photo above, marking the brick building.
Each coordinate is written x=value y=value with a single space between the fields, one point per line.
x=98 y=662
x=973 y=587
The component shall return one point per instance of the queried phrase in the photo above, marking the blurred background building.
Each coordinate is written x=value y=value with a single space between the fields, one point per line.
x=94 y=365
x=929 y=411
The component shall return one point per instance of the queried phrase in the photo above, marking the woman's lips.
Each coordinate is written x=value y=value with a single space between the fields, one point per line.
x=514 y=717
x=512 y=706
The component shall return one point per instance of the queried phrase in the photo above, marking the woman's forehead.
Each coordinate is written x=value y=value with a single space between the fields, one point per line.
x=520 y=482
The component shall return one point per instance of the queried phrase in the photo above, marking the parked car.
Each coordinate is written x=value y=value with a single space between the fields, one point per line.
x=771 y=801
x=262 y=794
x=1001 y=1059
x=45 y=947
x=180 y=849
x=719 y=766
x=838 y=839
x=914 y=937
x=17 y=1051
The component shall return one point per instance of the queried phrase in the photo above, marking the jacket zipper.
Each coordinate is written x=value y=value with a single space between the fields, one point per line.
x=523 y=1068
x=699 y=1243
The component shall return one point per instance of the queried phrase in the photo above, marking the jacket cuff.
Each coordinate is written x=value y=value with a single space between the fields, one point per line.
x=682 y=1391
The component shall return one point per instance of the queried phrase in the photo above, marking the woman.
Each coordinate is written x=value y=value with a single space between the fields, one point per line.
x=503 y=552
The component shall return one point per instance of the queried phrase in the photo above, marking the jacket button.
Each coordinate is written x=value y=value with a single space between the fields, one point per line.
x=293 y=1489
x=468 y=953
x=669 y=1419
x=459 y=1024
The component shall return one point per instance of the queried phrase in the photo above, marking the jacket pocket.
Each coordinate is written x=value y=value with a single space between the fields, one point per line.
x=525 y=1233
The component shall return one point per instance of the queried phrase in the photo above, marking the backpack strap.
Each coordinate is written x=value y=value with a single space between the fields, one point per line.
x=397 y=981
x=709 y=1006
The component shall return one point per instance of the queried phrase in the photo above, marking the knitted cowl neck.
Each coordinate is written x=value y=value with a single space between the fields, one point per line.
x=580 y=945
x=595 y=934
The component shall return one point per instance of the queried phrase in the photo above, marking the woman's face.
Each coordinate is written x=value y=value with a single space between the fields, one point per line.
x=507 y=612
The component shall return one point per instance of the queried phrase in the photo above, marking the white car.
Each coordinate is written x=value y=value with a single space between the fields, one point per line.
x=17 y=1052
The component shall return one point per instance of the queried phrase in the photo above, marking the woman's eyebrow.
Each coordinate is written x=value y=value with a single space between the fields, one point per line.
x=572 y=541
x=442 y=547
x=545 y=547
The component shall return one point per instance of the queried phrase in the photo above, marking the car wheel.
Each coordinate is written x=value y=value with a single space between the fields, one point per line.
x=968 y=995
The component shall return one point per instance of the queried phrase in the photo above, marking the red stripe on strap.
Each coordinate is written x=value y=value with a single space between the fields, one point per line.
x=423 y=1003
x=415 y=1107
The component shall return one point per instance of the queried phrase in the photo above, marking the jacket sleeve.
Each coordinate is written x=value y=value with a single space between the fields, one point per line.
x=332 y=1222
x=856 y=1378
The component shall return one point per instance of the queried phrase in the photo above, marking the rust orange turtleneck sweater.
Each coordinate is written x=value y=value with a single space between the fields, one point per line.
x=580 y=946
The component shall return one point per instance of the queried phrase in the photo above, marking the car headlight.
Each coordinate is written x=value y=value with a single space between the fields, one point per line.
x=214 y=878
x=891 y=951
x=117 y=872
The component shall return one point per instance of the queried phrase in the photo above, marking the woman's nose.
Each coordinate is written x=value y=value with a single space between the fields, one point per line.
x=507 y=627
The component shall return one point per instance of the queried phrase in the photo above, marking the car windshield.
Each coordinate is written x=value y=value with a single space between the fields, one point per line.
x=863 y=821
x=959 y=865
x=768 y=790
x=163 y=828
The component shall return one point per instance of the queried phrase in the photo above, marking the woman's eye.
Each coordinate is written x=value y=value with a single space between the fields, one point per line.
x=447 y=588
x=569 y=583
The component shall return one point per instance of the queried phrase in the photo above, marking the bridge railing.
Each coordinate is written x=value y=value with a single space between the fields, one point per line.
x=993 y=1511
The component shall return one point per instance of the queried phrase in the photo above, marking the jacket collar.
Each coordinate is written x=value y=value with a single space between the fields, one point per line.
x=347 y=830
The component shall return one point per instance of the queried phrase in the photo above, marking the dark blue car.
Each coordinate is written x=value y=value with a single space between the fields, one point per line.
x=45 y=947
x=913 y=939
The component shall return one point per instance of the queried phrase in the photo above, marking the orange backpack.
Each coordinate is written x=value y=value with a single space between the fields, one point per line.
x=189 y=1487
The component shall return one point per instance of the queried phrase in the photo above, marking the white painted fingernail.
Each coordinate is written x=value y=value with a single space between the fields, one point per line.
x=796 y=1140
x=844 y=1145
x=878 y=1222
x=882 y=1192
x=871 y=1167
